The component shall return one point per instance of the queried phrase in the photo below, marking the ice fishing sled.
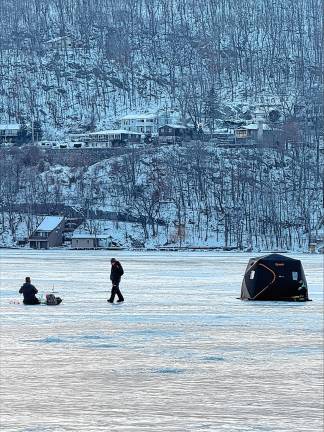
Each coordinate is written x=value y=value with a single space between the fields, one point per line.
x=52 y=300
x=274 y=277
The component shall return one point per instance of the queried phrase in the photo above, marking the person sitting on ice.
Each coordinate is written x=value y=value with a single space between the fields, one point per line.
x=29 y=291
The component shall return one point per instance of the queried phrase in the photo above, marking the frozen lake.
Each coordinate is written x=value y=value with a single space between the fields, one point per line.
x=181 y=354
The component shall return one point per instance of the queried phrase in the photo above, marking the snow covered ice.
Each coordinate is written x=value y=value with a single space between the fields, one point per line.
x=181 y=354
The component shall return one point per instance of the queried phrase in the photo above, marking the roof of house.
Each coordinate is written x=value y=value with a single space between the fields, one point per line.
x=175 y=126
x=49 y=223
x=114 y=131
x=57 y=39
x=86 y=235
x=255 y=126
x=12 y=126
x=138 y=116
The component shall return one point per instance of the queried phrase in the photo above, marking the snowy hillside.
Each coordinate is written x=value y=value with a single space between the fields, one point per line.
x=190 y=195
x=71 y=64
x=74 y=66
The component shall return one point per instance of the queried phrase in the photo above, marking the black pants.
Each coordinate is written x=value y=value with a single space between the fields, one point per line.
x=115 y=290
x=33 y=301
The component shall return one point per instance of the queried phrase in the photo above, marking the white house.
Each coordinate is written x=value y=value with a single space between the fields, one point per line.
x=9 y=132
x=140 y=123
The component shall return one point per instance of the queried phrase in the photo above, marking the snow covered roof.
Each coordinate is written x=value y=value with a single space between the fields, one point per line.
x=89 y=236
x=223 y=131
x=12 y=126
x=138 y=116
x=57 y=39
x=255 y=126
x=49 y=223
x=175 y=126
x=114 y=132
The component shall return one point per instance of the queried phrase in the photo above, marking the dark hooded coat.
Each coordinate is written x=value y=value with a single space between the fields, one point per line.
x=29 y=292
x=116 y=272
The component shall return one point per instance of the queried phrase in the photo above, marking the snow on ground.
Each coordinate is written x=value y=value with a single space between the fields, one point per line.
x=181 y=354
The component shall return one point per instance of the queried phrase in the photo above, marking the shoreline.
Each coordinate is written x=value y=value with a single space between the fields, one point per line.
x=167 y=249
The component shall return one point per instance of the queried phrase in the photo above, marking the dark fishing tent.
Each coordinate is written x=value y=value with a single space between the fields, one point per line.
x=274 y=277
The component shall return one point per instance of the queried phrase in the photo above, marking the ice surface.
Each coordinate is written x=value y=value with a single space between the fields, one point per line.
x=181 y=354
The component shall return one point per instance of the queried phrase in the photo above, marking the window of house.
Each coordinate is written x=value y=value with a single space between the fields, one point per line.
x=252 y=274
x=294 y=276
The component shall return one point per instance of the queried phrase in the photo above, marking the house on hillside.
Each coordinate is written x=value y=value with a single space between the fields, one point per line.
x=174 y=133
x=140 y=123
x=9 y=132
x=60 y=43
x=113 y=138
x=253 y=131
x=49 y=233
x=149 y=123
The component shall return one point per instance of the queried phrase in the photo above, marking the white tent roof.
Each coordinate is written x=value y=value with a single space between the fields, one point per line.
x=49 y=223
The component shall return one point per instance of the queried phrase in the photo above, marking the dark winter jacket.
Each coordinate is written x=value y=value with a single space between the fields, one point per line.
x=29 y=292
x=116 y=272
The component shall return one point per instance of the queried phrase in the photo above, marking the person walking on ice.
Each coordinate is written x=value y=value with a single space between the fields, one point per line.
x=115 y=277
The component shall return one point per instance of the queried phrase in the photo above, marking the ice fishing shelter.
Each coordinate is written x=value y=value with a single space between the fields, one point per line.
x=274 y=277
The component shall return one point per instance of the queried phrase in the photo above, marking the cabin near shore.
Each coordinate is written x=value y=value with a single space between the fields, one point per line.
x=48 y=234
x=91 y=241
